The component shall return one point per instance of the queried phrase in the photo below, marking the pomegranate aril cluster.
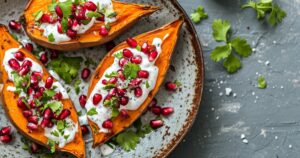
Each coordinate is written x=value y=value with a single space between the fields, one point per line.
x=157 y=110
x=5 y=134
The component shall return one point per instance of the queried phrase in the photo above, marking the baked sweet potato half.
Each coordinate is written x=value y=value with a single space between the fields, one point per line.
x=36 y=104
x=69 y=25
x=127 y=79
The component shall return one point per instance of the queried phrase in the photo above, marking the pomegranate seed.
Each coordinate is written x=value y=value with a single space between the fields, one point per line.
x=64 y=114
x=136 y=59
x=85 y=73
x=110 y=45
x=121 y=92
x=101 y=18
x=24 y=70
x=33 y=119
x=14 y=25
x=84 y=129
x=108 y=124
x=58 y=96
x=27 y=113
x=37 y=74
x=5 y=130
x=123 y=62
x=156 y=123
x=34 y=80
x=14 y=64
x=75 y=25
x=27 y=63
x=59 y=28
x=5 y=138
x=34 y=147
x=103 y=31
x=54 y=54
x=29 y=47
x=113 y=80
x=72 y=34
x=45 y=123
x=124 y=113
x=97 y=98
x=90 y=6
x=127 y=53
x=44 y=58
x=49 y=82
x=32 y=104
x=29 y=91
x=167 y=111
x=46 y=18
x=156 y=110
x=81 y=13
x=37 y=95
x=138 y=92
x=70 y=23
x=19 y=55
x=145 y=48
x=121 y=75
x=32 y=126
x=113 y=91
x=124 y=100
x=132 y=42
x=50 y=124
x=152 y=103
x=58 y=11
x=143 y=74
x=21 y=104
x=82 y=100
x=170 y=86
x=48 y=113
x=104 y=81
x=41 y=90
x=74 y=8
x=153 y=56
x=55 y=116
x=135 y=82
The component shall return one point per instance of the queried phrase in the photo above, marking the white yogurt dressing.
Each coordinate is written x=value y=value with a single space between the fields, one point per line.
x=81 y=29
x=73 y=128
x=134 y=103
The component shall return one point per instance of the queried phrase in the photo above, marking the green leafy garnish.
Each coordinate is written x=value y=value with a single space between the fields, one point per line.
x=76 y=86
x=198 y=15
x=264 y=7
x=92 y=112
x=66 y=67
x=131 y=70
x=51 y=144
x=139 y=48
x=109 y=86
x=38 y=15
x=147 y=84
x=261 y=82
x=231 y=62
x=66 y=136
x=60 y=125
x=128 y=140
x=55 y=106
x=15 y=36
x=112 y=15
x=66 y=8
x=51 y=38
x=119 y=55
x=141 y=129
x=112 y=74
x=55 y=133
x=93 y=15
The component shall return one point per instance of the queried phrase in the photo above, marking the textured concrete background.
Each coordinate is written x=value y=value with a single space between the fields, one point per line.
x=270 y=118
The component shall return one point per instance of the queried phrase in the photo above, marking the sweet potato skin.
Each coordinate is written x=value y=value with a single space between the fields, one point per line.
x=128 y=15
x=162 y=63
x=15 y=114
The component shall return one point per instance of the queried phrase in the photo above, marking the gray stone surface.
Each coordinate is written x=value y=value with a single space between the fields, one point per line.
x=268 y=118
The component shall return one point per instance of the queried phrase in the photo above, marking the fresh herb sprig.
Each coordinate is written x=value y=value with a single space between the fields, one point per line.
x=238 y=45
x=198 y=15
x=264 y=7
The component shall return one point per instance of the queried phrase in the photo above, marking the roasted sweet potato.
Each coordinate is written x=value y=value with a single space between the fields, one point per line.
x=9 y=99
x=127 y=15
x=170 y=34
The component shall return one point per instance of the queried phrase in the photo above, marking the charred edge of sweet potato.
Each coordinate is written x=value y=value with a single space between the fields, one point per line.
x=74 y=44
x=100 y=138
x=78 y=153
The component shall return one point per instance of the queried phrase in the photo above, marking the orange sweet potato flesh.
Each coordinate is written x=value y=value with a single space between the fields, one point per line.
x=77 y=147
x=163 y=62
x=128 y=14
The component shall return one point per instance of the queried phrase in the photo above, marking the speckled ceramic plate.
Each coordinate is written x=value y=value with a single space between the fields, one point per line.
x=187 y=67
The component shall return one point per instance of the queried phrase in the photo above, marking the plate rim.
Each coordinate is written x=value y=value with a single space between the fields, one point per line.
x=166 y=151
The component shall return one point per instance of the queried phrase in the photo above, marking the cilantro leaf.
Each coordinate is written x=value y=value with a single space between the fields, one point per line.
x=276 y=15
x=198 y=15
x=131 y=70
x=147 y=84
x=220 y=30
x=76 y=86
x=241 y=47
x=128 y=140
x=112 y=74
x=261 y=82
x=51 y=144
x=232 y=63
x=55 y=106
x=112 y=15
x=51 y=38
x=220 y=52
x=92 y=112
x=93 y=14
x=118 y=55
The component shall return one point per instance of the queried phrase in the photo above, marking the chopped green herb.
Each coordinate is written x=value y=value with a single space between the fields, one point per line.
x=107 y=26
x=198 y=15
x=60 y=125
x=119 y=55
x=112 y=15
x=77 y=86
x=66 y=137
x=112 y=74
x=51 y=38
x=15 y=36
x=109 y=86
x=131 y=70
x=128 y=140
x=178 y=83
x=261 y=82
x=38 y=15
x=51 y=144
x=92 y=112
x=138 y=48
x=55 y=106
x=79 y=113
x=147 y=84
x=55 y=133
x=220 y=29
x=93 y=15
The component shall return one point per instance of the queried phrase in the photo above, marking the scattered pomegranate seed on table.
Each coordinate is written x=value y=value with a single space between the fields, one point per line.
x=156 y=123
x=84 y=129
x=44 y=58
x=14 y=25
x=29 y=47
x=85 y=73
